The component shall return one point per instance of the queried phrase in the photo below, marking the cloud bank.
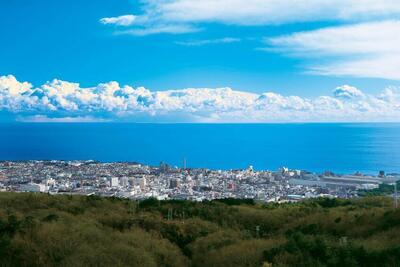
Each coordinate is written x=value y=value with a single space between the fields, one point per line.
x=186 y=14
x=360 y=50
x=65 y=101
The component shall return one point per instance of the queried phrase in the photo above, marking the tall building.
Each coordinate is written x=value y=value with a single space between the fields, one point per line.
x=114 y=182
x=124 y=181
x=141 y=182
x=174 y=183
x=164 y=167
x=250 y=169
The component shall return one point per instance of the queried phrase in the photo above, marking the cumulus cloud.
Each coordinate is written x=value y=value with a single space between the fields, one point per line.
x=253 y=12
x=360 y=50
x=347 y=91
x=65 y=101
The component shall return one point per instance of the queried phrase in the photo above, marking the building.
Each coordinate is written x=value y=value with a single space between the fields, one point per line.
x=124 y=181
x=32 y=187
x=174 y=183
x=141 y=182
x=114 y=182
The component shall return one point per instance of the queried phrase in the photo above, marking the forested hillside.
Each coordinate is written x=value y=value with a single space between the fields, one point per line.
x=44 y=230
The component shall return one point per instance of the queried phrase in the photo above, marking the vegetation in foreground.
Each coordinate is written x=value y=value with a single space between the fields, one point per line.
x=44 y=230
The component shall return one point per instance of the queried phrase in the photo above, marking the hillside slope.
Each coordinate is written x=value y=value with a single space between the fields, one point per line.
x=44 y=230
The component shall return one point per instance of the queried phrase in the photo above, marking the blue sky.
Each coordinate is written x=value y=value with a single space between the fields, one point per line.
x=307 y=49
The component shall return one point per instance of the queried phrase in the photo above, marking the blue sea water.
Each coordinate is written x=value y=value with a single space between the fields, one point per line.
x=342 y=148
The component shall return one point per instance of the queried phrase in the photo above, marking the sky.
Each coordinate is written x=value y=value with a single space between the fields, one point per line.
x=200 y=61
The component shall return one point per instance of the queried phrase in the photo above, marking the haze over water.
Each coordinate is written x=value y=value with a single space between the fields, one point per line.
x=343 y=148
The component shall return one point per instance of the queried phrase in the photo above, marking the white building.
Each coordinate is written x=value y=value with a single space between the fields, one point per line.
x=141 y=182
x=50 y=182
x=32 y=187
x=114 y=182
x=124 y=181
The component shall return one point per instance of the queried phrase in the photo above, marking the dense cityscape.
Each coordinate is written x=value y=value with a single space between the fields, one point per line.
x=138 y=181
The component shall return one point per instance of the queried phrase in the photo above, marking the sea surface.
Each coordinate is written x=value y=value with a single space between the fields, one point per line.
x=342 y=148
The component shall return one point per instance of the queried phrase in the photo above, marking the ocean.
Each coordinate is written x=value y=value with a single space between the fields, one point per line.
x=341 y=148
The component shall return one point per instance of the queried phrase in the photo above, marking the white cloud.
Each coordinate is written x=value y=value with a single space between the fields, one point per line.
x=125 y=20
x=363 y=39
x=261 y=12
x=65 y=101
x=361 y=50
x=347 y=91
x=226 y=40
x=11 y=86
x=158 y=29
x=157 y=13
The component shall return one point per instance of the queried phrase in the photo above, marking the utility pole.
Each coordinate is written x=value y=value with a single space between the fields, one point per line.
x=70 y=184
x=257 y=231
x=395 y=195
x=170 y=214
x=184 y=163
